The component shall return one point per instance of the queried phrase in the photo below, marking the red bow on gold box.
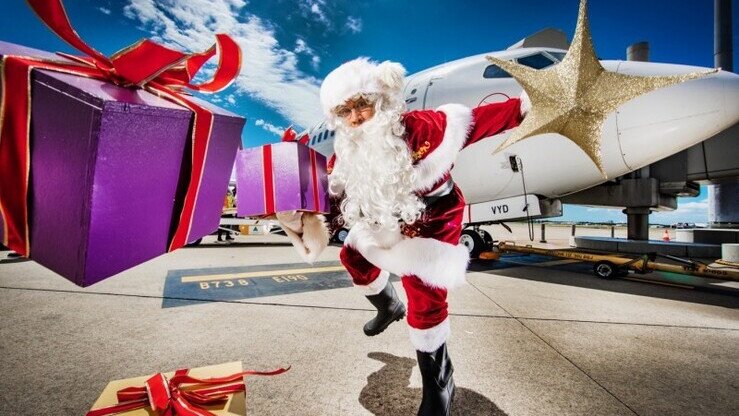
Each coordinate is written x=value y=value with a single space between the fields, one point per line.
x=196 y=392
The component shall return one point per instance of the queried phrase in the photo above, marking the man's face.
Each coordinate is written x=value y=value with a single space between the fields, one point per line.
x=356 y=111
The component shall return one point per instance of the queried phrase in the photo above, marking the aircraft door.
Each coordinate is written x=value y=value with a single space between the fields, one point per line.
x=415 y=91
x=467 y=85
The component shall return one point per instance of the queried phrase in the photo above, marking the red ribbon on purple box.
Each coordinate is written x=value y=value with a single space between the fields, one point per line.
x=270 y=206
x=145 y=64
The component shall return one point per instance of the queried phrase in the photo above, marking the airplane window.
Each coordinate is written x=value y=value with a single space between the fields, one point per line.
x=333 y=133
x=413 y=92
x=313 y=140
x=537 y=61
x=494 y=71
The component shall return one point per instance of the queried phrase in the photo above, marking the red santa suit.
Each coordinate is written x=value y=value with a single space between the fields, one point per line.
x=426 y=254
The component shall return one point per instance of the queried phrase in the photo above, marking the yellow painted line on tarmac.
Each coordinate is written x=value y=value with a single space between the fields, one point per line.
x=268 y=273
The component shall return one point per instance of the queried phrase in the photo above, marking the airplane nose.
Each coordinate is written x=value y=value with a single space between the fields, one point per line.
x=671 y=119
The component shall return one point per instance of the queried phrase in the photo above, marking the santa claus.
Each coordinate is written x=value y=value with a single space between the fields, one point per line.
x=390 y=184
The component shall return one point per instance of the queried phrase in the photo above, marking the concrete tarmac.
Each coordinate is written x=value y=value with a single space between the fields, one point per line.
x=526 y=340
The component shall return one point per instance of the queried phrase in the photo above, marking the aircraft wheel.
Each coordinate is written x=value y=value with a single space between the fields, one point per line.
x=473 y=241
x=487 y=238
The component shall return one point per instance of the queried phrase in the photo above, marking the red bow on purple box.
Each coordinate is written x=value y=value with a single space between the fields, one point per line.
x=145 y=64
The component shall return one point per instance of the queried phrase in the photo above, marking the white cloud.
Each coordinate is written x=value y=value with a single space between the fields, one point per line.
x=696 y=211
x=354 y=24
x=596 y=210
x=270 y=127
x=693 y=211
x=301 y=47
x=269 y=72
x=315 y=8
x=231 y=99
x=104 y=10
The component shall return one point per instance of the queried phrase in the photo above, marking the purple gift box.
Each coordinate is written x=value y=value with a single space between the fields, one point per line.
x=281 y=177
x=108 y=166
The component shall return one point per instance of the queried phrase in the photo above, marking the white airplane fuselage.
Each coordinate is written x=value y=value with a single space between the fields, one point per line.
x=640 y=132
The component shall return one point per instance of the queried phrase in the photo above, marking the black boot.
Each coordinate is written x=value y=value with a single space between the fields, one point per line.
x=438 y=383
x=389 y=310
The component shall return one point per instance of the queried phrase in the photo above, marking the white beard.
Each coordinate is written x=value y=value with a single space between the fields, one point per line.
x=374 y=168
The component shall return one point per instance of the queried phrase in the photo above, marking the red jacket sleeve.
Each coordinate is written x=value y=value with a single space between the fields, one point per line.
x=424 y=132
x=491 y=119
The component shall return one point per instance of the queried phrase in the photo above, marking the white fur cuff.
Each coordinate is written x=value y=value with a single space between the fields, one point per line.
x=525 y=103
x=429 y=340
x=436 y=263
x=376 y=286
x=431 y=168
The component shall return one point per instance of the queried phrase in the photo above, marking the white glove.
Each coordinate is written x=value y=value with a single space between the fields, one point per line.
x=525 y=103
x=307 y=232
x=292 y=220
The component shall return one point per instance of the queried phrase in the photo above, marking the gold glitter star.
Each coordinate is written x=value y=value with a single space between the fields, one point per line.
x=574 y=97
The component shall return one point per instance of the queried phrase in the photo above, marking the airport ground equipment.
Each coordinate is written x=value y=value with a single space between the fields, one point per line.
x=606 y=265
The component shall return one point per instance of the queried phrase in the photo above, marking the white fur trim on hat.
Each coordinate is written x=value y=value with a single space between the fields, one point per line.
x=429 y=340
x=433 y=167
x=436 y=263
x=376 y=286
x=360 y=76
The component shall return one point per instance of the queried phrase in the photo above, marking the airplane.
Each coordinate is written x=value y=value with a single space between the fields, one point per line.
x=529 y=179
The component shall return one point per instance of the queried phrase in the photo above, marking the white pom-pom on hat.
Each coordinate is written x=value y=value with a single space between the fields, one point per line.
x=392 y=75
x=360 y=76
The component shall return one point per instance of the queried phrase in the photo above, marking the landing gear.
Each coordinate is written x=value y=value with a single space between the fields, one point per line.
x=476 y=241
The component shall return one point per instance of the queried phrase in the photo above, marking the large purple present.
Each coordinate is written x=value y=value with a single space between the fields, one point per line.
x=108 y=169
x=281 y=177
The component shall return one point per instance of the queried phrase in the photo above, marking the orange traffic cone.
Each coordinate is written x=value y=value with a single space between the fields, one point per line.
x=666 y=236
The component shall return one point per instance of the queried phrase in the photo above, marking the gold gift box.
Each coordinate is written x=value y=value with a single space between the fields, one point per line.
x=234 y=406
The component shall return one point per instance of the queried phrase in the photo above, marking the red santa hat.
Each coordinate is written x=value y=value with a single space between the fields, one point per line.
x=361 y=76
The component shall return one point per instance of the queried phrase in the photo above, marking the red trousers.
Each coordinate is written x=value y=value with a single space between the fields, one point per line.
x=427 y=306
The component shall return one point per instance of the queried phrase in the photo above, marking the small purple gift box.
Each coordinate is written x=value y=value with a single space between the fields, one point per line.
x=281 y=177
x=107 y=172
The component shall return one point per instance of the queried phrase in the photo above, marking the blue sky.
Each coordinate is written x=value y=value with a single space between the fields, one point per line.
x=289 y=46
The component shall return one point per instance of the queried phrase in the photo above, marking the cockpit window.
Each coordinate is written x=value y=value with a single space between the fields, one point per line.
x=537 y=61
x=558 y=55
x=494 y=71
